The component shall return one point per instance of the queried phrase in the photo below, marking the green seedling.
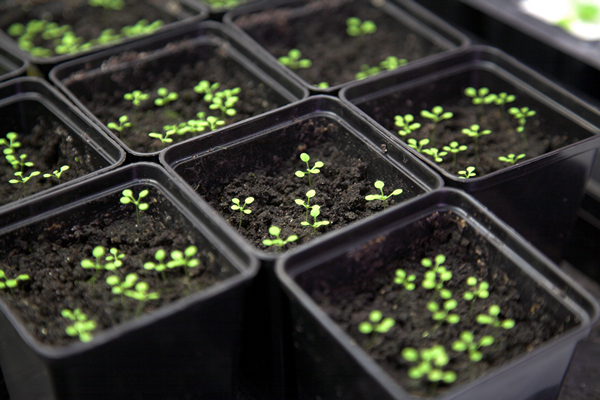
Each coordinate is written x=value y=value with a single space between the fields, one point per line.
x=160 y=256
x=480 y=96
x=294 y=61
x=511 y=158
x=475 y=133
x=309 y=195
x=120 y=127
x=476 y=291
x=379 y=185
x=356 y=27
x=10 y=142
x=70 y=43
x=418 y=146
x=106 y=36
x=276 y=231
x=309 y=171
x=436 y=115
x=22 y=179
x=184 y=259
x=139 y=206
x=504 y=98
x=322 y=85
x=142 y=27
x=140 y=293
x=57 y=173
x=242 y=208
x=315 y=212
x=224 y=3
x=108 y=4
x=521 y=115
x=165 y=97
x=402 y=278
x=454 y=148
x=430 y=363
x=392 y=62
x=469 y=172
x=82 y=326
x=119 y=287
x=18 y=163
x=376 y=324
x=436 y=264
x=136 y=97
x=207 y=89
x=468 y=343
x=366 y=71
x=164 y=138
x=492 y=319
x=11 y=283
x=406 y=124
x=225 y=102
x=435 y=281
x=435 y=154
x=442 y=314
x=111 y=262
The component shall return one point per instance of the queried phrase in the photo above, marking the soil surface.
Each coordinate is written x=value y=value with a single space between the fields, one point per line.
x=51 y=252
x=318 y=30
x=88 y=22
x=349 y=300
x=194 y=63
x=49 y=146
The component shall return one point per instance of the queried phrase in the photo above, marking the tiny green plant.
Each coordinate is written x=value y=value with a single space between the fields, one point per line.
x=136 y=97
x=128 y=198
x=184 y=259
x=108 y=4
x=468 y=343
x=207 y=89
x=435 y=281
x=82 y=326
x=309 y=171
x=10 y=142
x=436 y=264
x=225 y=101
x=315 y=211
x=436 y=115
x=375 y=324
x=511 y=158
x=309 y=195
x=18 y=163
x=165 y=97
x=22 y=179
x=322 y=85
x=480 y=96
x=454 y=148
x=242 y=207
x=379 y=185
x=418 y=146
x=442 y=314
x=366 y=71
x=435 y=154
x=404 y=279
x=111 y=262
x=142 y=27
x=476 y=291
x=57 y=173
x=164 y=138
x=430 y=364
x=141 y=294
x=491 y=318
x=356 y=27
x=406 y=124
x=504 y=98
x=392 y=62
x=11 y=283
x=278 y=241
x=161 y=266
x=521 y=115
x=294 y=60
x=475 y=133
x=119 y=287
x=120 y=127
x=467 y=173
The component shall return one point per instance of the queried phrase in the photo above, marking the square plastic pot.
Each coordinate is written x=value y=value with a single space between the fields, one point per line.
x=180 y=11
x=121 y=69
x=31 y=107
x=331 y=364
x=416 y=33
x=190 y=347
x=538 y=197
x=10 y=65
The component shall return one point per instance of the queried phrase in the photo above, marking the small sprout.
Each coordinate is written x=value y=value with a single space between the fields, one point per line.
x=10 y=142
x=314 y=170
x=184 y=259
x=243 y=210
x=511 y=158
x=405 y=280
x=225 y=101
x=309 y=195
x=275 y=231
x=376 y=323
x=163 y=138
x=165 y=97
x=160 y=256
x=418 y=146
x=23 y=179
x=69 y=43
x=136 y=97
x=315 y=212
x=57 y=173
x=322 y=85
x=108 y=4
x=119 y=287
x=437 y=114
x=140 y=293
x=366 y=71
x=480 y=96
x=11 y=283
x=492 y=319
x=391 y=63
x=141 y=27
x=443 y=314
x=406 y=124
x=356 y=27
x=139 y=206
x=521 y=115
x=435 y=154
x=123 y=123
x=454 y=148
x=113 y=261
x=439 y=260
x=207 y=89
x=294 y=61
x=82 y=326
x=379 y=185
x=18 y=163
x=467 y=173
x=467 y=343
x=504 y=98
x=474 y=132
x=430 y=364
x=475 y=291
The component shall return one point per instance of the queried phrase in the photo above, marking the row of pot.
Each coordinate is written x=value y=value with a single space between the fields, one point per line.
x=242 y=332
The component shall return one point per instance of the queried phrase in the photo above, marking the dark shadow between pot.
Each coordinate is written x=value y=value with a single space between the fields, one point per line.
x=10 y=65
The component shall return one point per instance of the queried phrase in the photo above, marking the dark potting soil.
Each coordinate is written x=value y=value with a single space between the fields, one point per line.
x=349 y=300
x=179 y=71
x=49 y=145
x=340 y=186
x=318 y=30
x=536 y=140
x=88 y=22
x=50 y=252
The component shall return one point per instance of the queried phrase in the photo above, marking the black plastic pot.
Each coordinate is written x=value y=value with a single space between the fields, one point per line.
x=538 y=197
x=330 y=364
x=271 y=24
x=10 y=66
x=182 y=11
x=31 y=107
x=190 y=347
x=122 y=68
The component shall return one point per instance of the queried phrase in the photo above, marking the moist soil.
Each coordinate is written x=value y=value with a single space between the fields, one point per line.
x=349 y=300
x=340 y=186
x=50 y=252
x=87 y=22
x=105 y=100
x=49 y=146
x=318 y=30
